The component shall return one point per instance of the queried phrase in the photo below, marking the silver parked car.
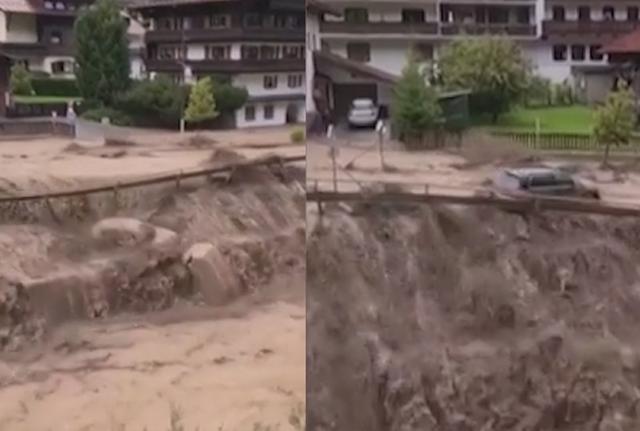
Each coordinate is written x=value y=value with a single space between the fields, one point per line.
x=363 y=113
x=542 y=180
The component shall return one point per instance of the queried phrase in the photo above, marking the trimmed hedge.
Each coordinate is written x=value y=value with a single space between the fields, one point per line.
x=55 y=87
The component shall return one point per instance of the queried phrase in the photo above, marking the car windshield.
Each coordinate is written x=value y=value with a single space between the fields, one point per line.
x=362 y=104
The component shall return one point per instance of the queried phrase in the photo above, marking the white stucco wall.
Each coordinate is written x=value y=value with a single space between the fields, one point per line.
x=541 y=56
x=47 y=66
x=313 y=43
x=136 y=66
x=279 y=115
x=390 y=56
x=3 y=26
x=254 y=83
x=20 y=28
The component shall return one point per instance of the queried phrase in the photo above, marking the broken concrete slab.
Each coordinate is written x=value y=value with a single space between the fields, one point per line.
x=212 y=274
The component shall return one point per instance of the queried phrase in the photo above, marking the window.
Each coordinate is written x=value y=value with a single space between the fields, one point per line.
x=252 y=20
x=270 y=81
x=632 y=13
x=413 y=16
x=268 y=52
x=498 y=14
x=594 y=53
x=55 y=38
x=294 y=21
x=217 y=21
x=356 y=15
x=558 y=13
x=295 y=81
x=171 y=52
x=250 y=52
x=169 y=23
x=608 y=13
x=559 y=52
x=217 y=52
x=523 y=15
x=584 y=13
x=268 y=112
x=58 y=67
x=60 y=6
x=293 y=51
x=424 y=51
x=48 y=5
x=249 y=113
x=359 y=51
x=577 y=52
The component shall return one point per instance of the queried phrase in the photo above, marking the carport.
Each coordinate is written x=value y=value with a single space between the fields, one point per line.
x=339 y=81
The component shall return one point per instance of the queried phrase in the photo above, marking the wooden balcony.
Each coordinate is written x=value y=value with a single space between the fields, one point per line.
x=228 y=66
x=564 y=28
x=37 y=49
x=233 y=34
x=379 y=28
x=521 y=30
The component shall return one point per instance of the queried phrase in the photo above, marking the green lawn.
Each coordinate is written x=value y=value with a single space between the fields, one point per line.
x=565 y=119
x=43 y=99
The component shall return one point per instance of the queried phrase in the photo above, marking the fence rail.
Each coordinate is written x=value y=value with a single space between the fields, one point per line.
x=517 y=205
x=564 y=142
x=176 y=177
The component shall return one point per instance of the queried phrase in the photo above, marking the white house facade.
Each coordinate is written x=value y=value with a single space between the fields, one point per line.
x=562 y=38
x=258 y=45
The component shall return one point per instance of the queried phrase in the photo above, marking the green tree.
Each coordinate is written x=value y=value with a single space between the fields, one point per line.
x=492 y=68
x=20 y=81
x=202 y=105
x=102 y=52
x=414 y=109
x=615 y=120
x=156 y=103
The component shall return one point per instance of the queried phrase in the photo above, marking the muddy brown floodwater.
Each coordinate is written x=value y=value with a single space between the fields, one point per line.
x=451 y=318
x=120 y=310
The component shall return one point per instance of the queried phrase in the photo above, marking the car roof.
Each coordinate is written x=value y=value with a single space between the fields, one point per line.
x=531 y=172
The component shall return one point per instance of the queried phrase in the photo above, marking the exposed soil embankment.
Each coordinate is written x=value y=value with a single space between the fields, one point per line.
x=461 y=319
x=143 y=249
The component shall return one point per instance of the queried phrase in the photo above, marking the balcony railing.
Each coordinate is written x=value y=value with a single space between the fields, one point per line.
x=225 y=34
x=227 y=66
x=450 y=29
x=380 y=27
x=35 y=48
x=588 y=27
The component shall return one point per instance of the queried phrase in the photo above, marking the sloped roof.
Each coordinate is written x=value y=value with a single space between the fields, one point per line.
x=321 y=7
x=626 y=44
x=355 y=67
x=19 y=6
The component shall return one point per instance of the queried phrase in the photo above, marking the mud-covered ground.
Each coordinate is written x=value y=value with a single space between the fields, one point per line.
x=121 y=309
x=472 y=319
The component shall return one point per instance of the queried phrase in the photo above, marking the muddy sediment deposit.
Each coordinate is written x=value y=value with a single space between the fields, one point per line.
x=136 y=250
x=461 y=319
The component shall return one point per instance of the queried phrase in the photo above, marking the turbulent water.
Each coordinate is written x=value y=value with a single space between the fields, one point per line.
x=92 y=257
x=457 y=319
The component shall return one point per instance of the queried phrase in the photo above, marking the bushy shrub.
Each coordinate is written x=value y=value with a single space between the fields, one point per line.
x=297 y=135
x=539 y=92
x=155 y=103
x=229 y=98
x=55 y=87
x=20 y=81
x=563 y=94
x=116 y=117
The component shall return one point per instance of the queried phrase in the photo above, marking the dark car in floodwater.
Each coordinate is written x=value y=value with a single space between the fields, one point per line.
x=542 y=181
